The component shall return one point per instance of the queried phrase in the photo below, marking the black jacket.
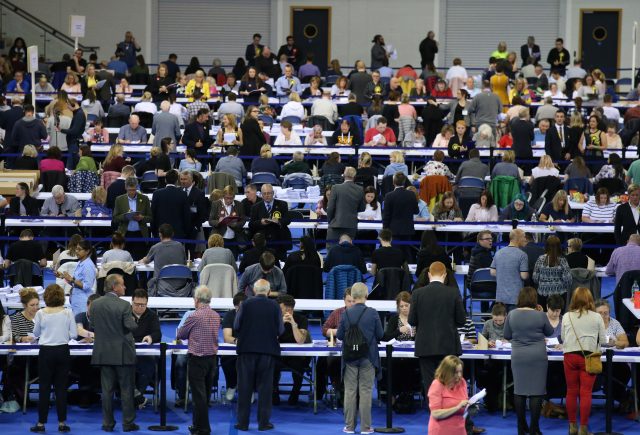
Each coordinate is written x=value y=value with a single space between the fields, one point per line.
x=345 y=254
x=481 y=257
x=552 y=144
x=76 y=129
x=523 y=135
x=273 y=232
x=148 y=324
x=114 y=190
x=624 y=224
x=30 y=204
x=8 y=120
x=399 y=207
x=194 y=132
x=257 y=326
x=535 y=53
x=252 y=137
x=197 y=199
x=425 y=257
x=28 y=131
x=170 y=206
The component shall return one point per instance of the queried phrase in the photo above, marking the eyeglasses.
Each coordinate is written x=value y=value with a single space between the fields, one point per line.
x=140 y=305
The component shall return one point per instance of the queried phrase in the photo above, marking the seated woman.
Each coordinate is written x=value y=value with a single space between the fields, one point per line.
x=321 y=206
x=518 y=210
x=372 y=210
x=442 y=139
x=71 y=85
x=506 y=167
x=558 y=209
x=266 y=162
x=521 y=90
x=96 y=205
x=437 y=167
x=484 y=137
x=339 y=89
x=216 y=253
x=190 y=161
x=123 y=87
x=92 y=106
x=430 y=252
x=577 y=169
x=423 y=209
x=614 y=142
x=313 y=91
x=115 y=159
x=315 y=136
x=117 y=251
x=287 y=136
x=447 y=209
x=86 y=162
x=458 y=143
x=28 y=160
x=97 y=133
x=146 y=104
x=333 y=165
x=22 y=204
x=396 y=164
x=199 y=82
x=229 y=133
x=613 y=169
x=293 y=107
x=554 y=92
x=599 y=208
x=307 y=255
x=545 y=168
x=52 y=161
x=484 y=210
x=346 y=134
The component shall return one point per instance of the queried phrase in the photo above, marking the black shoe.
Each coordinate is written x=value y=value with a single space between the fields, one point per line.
x=130 y=427
x=63 y=428
x=107 y=428
x=275 y=399
x=39 y=428
x=267 y=426
x=238 y=426
x=192 y=429
x=293 y=399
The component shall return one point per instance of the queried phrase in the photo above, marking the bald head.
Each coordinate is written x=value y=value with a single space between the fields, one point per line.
x=165 y=106
x=516 y=237
x=349 y=173
x=261 y=287
x=635 y=239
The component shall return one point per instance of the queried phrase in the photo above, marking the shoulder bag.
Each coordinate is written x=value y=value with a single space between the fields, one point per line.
x=592 y=362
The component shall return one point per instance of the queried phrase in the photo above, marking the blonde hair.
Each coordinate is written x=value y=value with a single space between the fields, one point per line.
x=293 y=96
x=545 y=162
x=99 y=195
x=215 y=241
x=265 y=151
x=576 y=120
x=29 y=151
x=484 y=130
x=231 y=119
x=146 y=96
x=155 y=151
x=216 y=194
x=114 y=151
x=396 y=157
x=364 y=160
x=556 y=199
x=509 y=156
x=446 y=371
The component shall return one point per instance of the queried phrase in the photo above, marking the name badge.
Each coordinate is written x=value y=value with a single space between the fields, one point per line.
x=194 y=210
x=465 y=112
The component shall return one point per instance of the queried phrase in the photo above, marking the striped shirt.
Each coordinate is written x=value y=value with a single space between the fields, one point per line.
x=21 y=326
x=469 y=330
x=599 y=213
x=201 y=329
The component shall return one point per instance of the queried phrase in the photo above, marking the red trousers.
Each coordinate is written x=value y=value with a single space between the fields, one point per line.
x=579 y=384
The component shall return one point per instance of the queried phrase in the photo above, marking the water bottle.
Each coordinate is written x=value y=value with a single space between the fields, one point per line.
x=88 y=211
x=223 y=396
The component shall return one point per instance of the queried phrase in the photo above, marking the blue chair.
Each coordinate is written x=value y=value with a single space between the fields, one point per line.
x=626 y=81
x=92 y=117
x=174 y=280
x=21 y=268
x=175 y=271
x=482 y=288
x=149 y=182
x=266 y=119
x=582 y=185
x=331 y=80
x=260 y=178
x=471 y=182
x=292 y=119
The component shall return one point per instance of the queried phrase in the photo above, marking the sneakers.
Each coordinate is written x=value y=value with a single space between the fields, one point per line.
x=10 y=406
x=367 y=431
x=347 y=430
x=230 y=394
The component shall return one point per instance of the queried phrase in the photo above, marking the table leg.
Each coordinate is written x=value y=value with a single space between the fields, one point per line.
x=634 y=383
x=26 y=387
x=504 y=390
x=313 y=385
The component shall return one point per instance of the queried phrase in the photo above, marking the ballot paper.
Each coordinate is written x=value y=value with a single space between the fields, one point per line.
x=474 y=399
x=552 y=341
x=229 y=137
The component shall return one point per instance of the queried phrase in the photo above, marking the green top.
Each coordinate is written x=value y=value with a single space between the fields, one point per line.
x=86 y=164
x=634 y=171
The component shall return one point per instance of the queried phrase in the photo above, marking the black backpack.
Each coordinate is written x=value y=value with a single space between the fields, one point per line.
x=354 y=346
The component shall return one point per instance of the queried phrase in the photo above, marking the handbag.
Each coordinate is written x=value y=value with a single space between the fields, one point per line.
x=592 y=362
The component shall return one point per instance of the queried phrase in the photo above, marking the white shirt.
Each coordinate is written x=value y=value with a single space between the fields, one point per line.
x=456 y=71
x=229 y=234
x=635 y=212
x=292 y=108
x=146 y=106
x=541 y=172
x=611 y=113
x=370 y=214
x=294 y=139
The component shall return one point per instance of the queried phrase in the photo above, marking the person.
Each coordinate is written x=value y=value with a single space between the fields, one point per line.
x=201 y=330
x=358 y=82
x=380 y=135
x=518 y=210
x=545 y=168
x=117 y=251
x=481 y=254
x=510 y=266
x=530 y=50
x=447 y=208
x=558 y=209
x=52 y=160
x=129 y=47
x=250 y=198
x=198 y=207
x=228 y=362
x=86 y=161
x=472 y=167
x=626 y=218
x=231 y=211
x=231 y=164
x=582 y=331
x=599 y=208
x=178 y=215
x=196 y=134
x=436 y=330
x=400 y=206
x=23 y=204
x=54 y=326
x=526 y=328
x=551 y=272
x=378 y=52
x=165 y=124
x=28 y=130
x=333 y=165
x=484 y=210
x=288 y=84
x=132 y=214
x=25 y=249
x=83 y=280
x=428 y=49
x=114 y=351
x=493 y=328
x=595 y=140
x=625 y=258
x=612 y=170
x=59 y=203
x=506 y=167
x=344 y=253
x=166 y=251
x=257 y=326
x=448 y=398
x=307 y=255
x=271 y=217
x=345 y=202
x=396 y=164
x=576 y=258
x=297 y=163
x=359 y=374
x=387 y=255
x=254 y=49
x=217 y=253
x=265 y=269
x=266 y=162
x=559 y=57
x=28 y=159
x=291 y=50
x=132 y=132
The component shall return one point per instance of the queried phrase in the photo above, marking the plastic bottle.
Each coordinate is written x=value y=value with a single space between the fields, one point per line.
x=223 y=396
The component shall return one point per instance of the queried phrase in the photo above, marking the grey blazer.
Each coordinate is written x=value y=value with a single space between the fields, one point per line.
x=345 y=202
x=452 y=112
x=113 y=322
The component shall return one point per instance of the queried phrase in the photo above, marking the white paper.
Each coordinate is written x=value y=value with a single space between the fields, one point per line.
x=378 y=137
x=229 y=137
x=553 y=341
x=476 y=397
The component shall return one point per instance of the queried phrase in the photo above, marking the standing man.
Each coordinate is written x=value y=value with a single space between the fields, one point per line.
x=114 y=351
x=132 y=215
x=428 y=49
x=559 y=57
x=257 y=326
x=555 y=141
x=627 y=220
x=436 y=330
x=170 y=206
x=74 y=133
x=345 y=202
x=510 y=266
x=271 y=217
x=165 y=124
x=530 y=50
x=400 y=205
x=359 y=81
x=198 y=206
x=378 y=52
x=29 y=130
x=129 y=47
x=291 y=50
x=201 y=329
x=484 y=108
x=254 y=49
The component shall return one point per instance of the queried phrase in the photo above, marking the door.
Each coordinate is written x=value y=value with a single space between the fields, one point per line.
x=600 y=40
x=311 y=30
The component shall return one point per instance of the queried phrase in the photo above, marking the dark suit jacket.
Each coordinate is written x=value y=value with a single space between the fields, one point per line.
x=193 y=134
x=524 y=53
x=106 y=91
x=30 y=204
x=436 y=312
x=271 y=231
x=114 y=190
x=552 y=144
x=624 y=224
x=7 y=120
x=112 y=321
x=219 y=212
x=399 y=207
x=257 y=326
x=171 y=206
x=345 y=254
x=345 y=202
x=523 y=135
x=197 y=199
x=121 y=207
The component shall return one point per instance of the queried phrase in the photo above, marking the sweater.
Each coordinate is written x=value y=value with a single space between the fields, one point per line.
x=552 y=280
x=589 y=328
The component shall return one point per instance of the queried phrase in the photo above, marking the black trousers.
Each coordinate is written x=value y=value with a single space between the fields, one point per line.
x=53 y=366
x=255 y=373
x=123 y=375
x=201 y=370
x=297 y=365
x=428 y=366
x=228 y=364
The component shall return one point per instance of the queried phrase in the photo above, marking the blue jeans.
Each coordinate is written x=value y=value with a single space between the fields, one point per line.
x=73 y=151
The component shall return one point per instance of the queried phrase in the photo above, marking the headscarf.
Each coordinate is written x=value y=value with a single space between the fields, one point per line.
x=522 y=214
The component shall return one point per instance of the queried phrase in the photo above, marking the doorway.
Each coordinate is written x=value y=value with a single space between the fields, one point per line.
x=311 y=30
x=600 y=39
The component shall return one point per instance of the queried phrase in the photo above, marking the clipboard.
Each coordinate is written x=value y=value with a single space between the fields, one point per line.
x=229 y=220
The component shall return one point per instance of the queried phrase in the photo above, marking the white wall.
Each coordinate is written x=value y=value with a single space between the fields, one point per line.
x=403 y=23
x=106 y=22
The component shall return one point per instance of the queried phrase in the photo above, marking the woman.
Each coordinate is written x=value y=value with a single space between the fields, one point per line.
x=5 y=327
x=526 y=329
x=376 y=106
x=333 y=165
x=97 y=134
x=430 y=252
x=396 y=164
x=518 y=210
x=448 y=398
x=307 y=255
x=551 y=272
x=240 y=67
x=484 y=210
x=315 y=136
x=117 y=251
x=365 y=169
x=346 y=134
x=614 y=141
x=447 y=209
x=558 y=209
x=545 y=168
x=96 y=205
x=190 y=161
x=457 y=145
x=372 y=210
x=28 y=160
x=511 y=65
x=460 y=110
x=441 y=90
x=577 y=169
x=406 y=109
x=293 y=107
x=161 y=85
x=339 y=89
x=600 y=82
x=266 y=162
x=22 y=204
x=86 y=161
x=287 y=136
x=321 y=206
x=91 y=106
x=499 y=82
x=554 y=92
x=71 y=85
x=334 y=68
x=599 y=208
x=193 y=67
x=115 y=160
x=437 y=167
x=423 y=209
x=124 y=87
x=54 y=326
x=313 y=91
x=18 y=51
x=595 y=140
x=582 y=330
x=443 y=138
x=140 y=68
x=506 y=167
x=251 y=86
x=484 y=137
x=198 y=81
x=251 y=132
x=229 y=133
x=71 y=253
x=83 y=280
x=575 y=139
x=146 y=104
x=521 y=90
x=217 y=253
x=52 y=161
x=420 y=92
x=555 y=305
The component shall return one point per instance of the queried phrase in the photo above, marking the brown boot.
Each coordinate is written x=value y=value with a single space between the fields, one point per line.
x=573 y=428
x=584 y=430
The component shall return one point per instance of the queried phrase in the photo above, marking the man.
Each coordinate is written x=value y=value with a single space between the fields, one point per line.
x=166 y=251
x=625 y=258
x=165 y=124
x=8 y=120
x=556 y=139
x=428 y=49
x=457 y=71
x=74 y=133
x=132 y=214
x=542 y=81
x=387 y=255
x=325 y=107
x=344 y=254
x=626 y=221
x=359 y=374
x=19 y=84
x=472 y=167
x=523 y=135
x=481 y=254
x=576 y=71
x=118 y=66
x=380 y=135
x=547 y=110
x=250 y=198
x=510 y=266
x=172 y=66
x=198 y=206
x=170 y=205
x=132 y=132
x=59 y=203
x=351 y=108
x=558 y=80
x=359 y=81
x=114 y=350
x=484 y=108
x=117 y=187
x=297 y=165
x=286 y=84
x=257 y=326
x=271 y=217
x=296 y=331
x=231 y=164
x=228 y=362
x=119 y=109
x=436 y=328
x=375 y=87
x=291 y=50
x=378 y=52
x=345 y=202
x=148 y=332
x=44 y=86
x=231 y=106
x=129 y=47
x=266 y=63
x=25 y=249
x=308 y=69
x=77 y=63
x=529 y=70
x=254 y=49
x=196 y=134
x=230 y=230
x=266 y=269
x=530 y=50
x=533 y=252
x=559 y=57
x=610 y=112
x=29 y=130
x=201 y=330
x=400 y=205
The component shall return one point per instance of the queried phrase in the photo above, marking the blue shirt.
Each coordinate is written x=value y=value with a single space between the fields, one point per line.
x=133 y=203
x=118 y=66
x=283 y=83
x=86 y=273
x=12 y=85
x=130 y=135
x=423 y=210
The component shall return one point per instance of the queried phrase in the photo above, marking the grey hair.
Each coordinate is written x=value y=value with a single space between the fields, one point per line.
x=298 y=156
x=359 y=291
x=202 y=294
x=57 y=190
x=131 y=182
x=187 y=173
x=110 y=281
x=261 y=286
x=345 y=238
x=350 y=172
